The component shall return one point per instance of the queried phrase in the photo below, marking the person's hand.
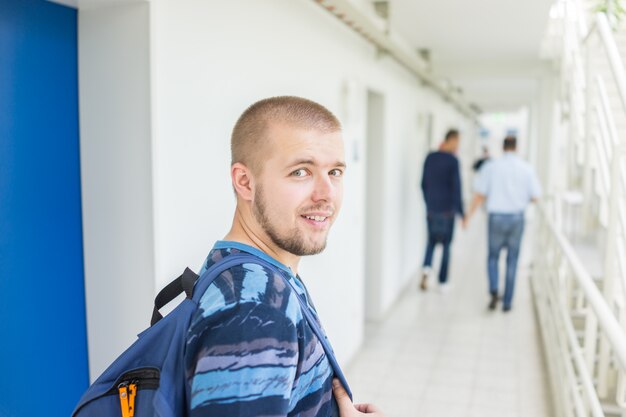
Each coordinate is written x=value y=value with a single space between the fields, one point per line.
x=465 y=221
x=347 y=409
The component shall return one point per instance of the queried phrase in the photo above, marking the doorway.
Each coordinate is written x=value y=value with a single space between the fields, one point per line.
x=374 y=207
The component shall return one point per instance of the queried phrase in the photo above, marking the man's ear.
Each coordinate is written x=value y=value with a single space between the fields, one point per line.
x=242 y=179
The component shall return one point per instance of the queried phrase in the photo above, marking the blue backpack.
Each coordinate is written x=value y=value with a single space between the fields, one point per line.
x=148 y=379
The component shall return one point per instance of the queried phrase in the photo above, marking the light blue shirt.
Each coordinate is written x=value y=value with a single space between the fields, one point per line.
x=509 y=183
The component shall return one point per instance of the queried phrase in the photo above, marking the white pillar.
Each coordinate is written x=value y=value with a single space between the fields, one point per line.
x=116 y=173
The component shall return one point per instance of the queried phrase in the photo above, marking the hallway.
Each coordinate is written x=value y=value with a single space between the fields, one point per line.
x=447 y=355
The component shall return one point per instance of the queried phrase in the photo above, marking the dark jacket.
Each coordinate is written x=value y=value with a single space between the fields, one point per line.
x=441 y=183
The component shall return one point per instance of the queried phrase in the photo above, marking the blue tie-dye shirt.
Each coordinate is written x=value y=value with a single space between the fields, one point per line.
x=250 y=351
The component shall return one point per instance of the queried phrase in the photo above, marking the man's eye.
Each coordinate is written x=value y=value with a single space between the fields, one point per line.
x=299 y=173
x=336 y=173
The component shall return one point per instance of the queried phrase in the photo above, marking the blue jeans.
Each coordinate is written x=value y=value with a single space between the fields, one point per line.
x=505 y=231
x=440 y=230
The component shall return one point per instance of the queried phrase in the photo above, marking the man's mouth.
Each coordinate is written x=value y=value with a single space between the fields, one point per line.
x=316 y=218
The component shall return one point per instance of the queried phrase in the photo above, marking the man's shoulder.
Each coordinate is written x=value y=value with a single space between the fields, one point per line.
x=524 y=165
x=527 y=165
x=249 y=283
x=251 y=279
x=510 y=164
x=486 y=169
x=441 y=156
x=489 y=162
x=502 y=162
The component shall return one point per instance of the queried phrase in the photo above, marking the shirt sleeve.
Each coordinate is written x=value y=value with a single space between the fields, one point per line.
x=457 y=188
x=425 y=177
x=241 y=358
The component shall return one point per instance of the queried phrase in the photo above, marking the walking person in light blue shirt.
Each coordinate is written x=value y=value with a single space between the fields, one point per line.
x=507 y=185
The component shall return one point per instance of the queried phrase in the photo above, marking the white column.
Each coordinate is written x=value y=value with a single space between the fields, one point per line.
x=115 y=142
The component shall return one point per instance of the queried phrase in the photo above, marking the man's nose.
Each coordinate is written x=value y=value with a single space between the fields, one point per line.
x=324 y=188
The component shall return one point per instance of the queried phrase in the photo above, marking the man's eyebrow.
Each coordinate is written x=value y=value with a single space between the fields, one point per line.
x=306 y=161
x=302 y=162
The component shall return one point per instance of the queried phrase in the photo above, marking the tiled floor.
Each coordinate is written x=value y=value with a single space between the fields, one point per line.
x=447 y=355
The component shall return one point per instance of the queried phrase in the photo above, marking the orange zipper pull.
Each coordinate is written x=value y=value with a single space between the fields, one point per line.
x=123 y=390
x=132 y=391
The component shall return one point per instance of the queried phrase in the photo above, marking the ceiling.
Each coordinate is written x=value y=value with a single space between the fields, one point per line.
x=491 y=49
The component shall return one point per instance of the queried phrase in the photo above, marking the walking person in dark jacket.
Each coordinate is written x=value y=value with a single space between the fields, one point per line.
x=441 y=185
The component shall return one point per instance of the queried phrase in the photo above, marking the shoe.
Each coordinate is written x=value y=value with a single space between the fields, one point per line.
x=494 y=301
x=506 y=309
x=424 y=282
x=445 y=287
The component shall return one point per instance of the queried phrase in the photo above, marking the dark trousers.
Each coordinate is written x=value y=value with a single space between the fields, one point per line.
x=440 y=230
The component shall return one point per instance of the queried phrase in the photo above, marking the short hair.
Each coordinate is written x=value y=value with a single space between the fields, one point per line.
x=250 y=131
x=451 y=134
x=509 y=143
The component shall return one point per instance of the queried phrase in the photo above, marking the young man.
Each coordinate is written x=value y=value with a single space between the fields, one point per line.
x=508 y=184
x=250 y=351
x=441 y=185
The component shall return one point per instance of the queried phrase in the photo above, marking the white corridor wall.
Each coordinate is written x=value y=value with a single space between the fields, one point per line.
x=208 y=62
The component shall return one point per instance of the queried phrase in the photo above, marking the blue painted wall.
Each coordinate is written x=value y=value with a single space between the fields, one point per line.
x=43 y=343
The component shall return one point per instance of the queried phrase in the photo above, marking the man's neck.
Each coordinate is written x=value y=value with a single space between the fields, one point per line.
x=447 y=149
x=243 y=232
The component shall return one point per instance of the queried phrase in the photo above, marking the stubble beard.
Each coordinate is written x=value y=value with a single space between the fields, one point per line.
x=291 y=241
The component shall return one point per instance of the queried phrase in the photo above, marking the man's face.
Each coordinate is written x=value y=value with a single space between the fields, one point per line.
x=299 y=191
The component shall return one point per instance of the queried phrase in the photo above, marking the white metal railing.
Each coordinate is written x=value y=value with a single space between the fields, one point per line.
x=566 y=293
x=583 y=316
x=601 y=144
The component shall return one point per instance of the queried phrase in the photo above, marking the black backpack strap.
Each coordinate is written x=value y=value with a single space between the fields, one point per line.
x=187 y=282
x=217 y=268
x=183 y=283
